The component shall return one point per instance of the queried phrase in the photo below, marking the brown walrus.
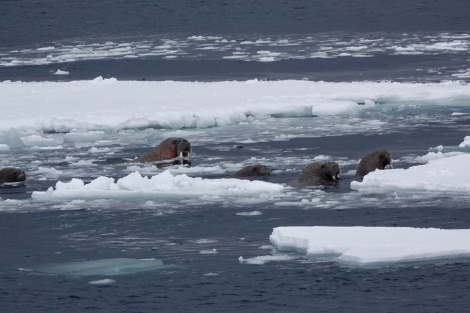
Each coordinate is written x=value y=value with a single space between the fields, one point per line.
x=251 y=170
x=168 y=149
x=377 y=159
x=12 y=175
x=319 y=172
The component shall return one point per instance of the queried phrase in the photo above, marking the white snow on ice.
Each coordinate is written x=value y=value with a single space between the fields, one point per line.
x=136 y=186
x=49 y=114
x=450 y=174
x=373 y=245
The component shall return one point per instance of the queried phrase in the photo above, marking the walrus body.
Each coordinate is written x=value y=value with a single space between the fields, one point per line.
x=319 y=172
x=252 y=170
x=12 y=175
x=168 y=149
x=377 y=159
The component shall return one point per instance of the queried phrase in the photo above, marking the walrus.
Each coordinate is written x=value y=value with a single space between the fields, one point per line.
x=168 y=149
x=377 y=159
x=12 y=175
x=319 y=172
x=251 y=170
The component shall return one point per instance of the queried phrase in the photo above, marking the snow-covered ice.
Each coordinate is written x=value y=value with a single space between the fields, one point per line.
x=450 y=174
x=86 y=109
x=465 y=143
x=373 y=245
x=136 y=186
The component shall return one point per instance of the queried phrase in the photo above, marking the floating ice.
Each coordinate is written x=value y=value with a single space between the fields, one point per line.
x=253 y=213
x=40 y=141
x=442 y=175
x=213 y=251
x=11 y=138
x=373 y=245
x=263 y=259
x=87 y=110
x=136 y=186
x=106 y=281
x=60 y=72
x=283 y=48
x=106 y=267
x=465 y=143
x=85 y=136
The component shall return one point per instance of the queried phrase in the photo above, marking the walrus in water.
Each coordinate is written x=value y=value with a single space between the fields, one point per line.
x=251 y=170
x=377 y=159
x=12 y=175
x=168 y=149
x=320 y=172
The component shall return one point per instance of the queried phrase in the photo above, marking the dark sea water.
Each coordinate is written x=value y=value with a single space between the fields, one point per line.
x=406 y=41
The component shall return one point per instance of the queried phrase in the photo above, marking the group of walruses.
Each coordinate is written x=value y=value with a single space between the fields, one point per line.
x=170 y=148
x=314 y=173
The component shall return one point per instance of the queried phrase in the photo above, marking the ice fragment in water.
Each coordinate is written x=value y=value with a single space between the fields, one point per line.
x=107 y=267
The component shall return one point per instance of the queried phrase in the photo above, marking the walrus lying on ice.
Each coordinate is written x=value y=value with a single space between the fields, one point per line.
x=12 y=175
x=168 y=149
x=319 y=172
x=374 y=160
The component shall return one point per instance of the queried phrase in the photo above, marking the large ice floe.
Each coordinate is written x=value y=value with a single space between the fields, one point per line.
x=447 y=174
x=92 y=108
x=165 y=184
x=372 y=246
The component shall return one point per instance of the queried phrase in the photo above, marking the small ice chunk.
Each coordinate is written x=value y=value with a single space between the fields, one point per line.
x=253 y=213
x=465 y=143
x=4 y=147
x=105 y=281
x=12 y=138
x=60 y=72
x=213 y=251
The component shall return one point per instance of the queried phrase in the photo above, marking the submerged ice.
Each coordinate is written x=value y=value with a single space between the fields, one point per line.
x=104 y=267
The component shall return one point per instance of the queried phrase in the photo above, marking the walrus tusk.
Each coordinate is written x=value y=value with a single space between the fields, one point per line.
x=181 y=154
x=334 y=177
x=391 y=166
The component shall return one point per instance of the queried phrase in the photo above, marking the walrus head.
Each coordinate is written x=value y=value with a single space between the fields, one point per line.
x=261 y=170
x=12 y=175
x=384 y=158
x=317 y=172
x=377 y=159
x=252 y=170
x=183 y=147
x=330 y=169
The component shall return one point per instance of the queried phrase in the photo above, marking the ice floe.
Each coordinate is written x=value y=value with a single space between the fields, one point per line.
x=164 y=184
x=365 y=246
x=271 y=49
x=50 y=113
x=449 y=174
